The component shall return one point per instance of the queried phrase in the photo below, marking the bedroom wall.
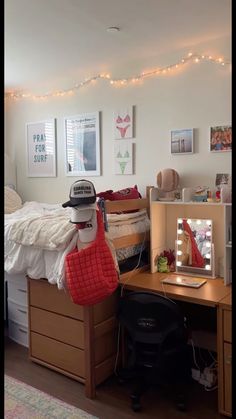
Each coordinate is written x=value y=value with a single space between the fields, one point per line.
x=198 y=96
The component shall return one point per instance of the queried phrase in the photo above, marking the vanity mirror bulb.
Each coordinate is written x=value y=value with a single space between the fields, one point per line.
x=178 y=263
x=179 y=242
x=208 y=267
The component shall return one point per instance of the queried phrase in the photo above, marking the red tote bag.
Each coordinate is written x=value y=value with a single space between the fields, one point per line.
x=91 y=275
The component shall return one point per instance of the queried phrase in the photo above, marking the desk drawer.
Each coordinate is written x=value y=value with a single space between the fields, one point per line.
x=58 y=327
x=17 y=312
x=228 y=377
x=227 y=325
x=60 y=355
x=49 y=297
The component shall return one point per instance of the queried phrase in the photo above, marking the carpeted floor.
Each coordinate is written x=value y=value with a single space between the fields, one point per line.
x=22 y=401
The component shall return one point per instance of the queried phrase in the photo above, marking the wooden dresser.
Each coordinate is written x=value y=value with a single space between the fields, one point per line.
x=80 y=342
x=225 y=355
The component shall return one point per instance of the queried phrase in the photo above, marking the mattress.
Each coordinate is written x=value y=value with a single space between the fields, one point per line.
x=120 y=225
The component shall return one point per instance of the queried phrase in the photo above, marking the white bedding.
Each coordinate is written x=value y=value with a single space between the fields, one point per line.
x=28 y=255
x=38 y=237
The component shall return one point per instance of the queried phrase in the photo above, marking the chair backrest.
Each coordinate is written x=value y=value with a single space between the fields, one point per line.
x=152 y=318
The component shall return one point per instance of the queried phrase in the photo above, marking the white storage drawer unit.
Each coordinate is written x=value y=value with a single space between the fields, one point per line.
x=17 y=305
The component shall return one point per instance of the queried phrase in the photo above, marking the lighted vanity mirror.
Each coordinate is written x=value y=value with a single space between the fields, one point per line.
x=194 y=247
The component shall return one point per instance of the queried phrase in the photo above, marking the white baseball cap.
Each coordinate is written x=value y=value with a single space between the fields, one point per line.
x=82 y=213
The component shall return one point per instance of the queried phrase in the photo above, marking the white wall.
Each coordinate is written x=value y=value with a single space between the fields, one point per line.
x=198 y=96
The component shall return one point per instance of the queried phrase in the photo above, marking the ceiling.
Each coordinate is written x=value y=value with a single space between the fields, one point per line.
x=50 y=43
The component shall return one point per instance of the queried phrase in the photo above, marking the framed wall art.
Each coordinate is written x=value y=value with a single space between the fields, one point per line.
x=221 y=138
x=82 y=144
x=182 y=141
x=41 y=148
x=123 y=123
x=123 y=154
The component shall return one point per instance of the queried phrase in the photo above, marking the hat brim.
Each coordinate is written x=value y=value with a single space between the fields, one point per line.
x=80 y=206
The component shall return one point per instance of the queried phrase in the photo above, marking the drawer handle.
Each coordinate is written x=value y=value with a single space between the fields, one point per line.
x=19 y=289
x=228 y=360
x=22 y=330
x=21 y=311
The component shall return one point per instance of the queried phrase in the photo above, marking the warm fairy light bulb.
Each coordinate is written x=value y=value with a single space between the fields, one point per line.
x=190 y=54
x=220 y=60
x=178 y=263
x=196 y=60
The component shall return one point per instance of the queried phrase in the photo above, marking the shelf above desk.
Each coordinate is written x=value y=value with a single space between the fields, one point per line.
x=209 y=294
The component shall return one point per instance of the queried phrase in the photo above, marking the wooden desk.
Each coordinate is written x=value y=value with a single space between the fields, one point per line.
x=212 y=294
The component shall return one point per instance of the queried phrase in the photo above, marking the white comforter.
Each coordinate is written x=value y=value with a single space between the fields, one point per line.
x=37 y=238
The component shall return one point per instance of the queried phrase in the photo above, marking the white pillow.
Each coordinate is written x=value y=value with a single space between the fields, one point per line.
x=12 y=201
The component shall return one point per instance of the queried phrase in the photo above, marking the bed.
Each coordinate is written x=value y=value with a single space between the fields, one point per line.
x=81 y=342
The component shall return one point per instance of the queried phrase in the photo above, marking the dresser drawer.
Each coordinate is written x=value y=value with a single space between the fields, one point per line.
x=17 y=312
x=49 y=297
x=17 y=290
x=18 y=332
x=63 y=329
x=227 y=316
x=60 y=355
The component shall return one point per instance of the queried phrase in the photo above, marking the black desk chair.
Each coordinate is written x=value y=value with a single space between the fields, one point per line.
x=156 y=340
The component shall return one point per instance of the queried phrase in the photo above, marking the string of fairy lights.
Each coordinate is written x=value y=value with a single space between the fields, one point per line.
x=135 y=79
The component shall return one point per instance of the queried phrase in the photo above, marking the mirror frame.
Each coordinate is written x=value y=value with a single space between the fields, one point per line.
x=209 y=269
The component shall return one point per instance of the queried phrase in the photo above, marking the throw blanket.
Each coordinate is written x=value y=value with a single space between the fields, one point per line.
x=50 y=232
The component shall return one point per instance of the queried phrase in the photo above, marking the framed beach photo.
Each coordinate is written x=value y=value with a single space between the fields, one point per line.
x=82 y=144
x=221 y=138
x=41 y=148
x=182 y=141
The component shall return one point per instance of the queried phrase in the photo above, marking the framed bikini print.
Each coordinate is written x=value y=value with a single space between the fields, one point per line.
x=123 y=123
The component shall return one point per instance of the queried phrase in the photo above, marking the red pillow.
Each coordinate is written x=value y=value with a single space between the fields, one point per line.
x=127 y=193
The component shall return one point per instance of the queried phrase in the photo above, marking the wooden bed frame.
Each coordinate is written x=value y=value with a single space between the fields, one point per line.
x=78 y=341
